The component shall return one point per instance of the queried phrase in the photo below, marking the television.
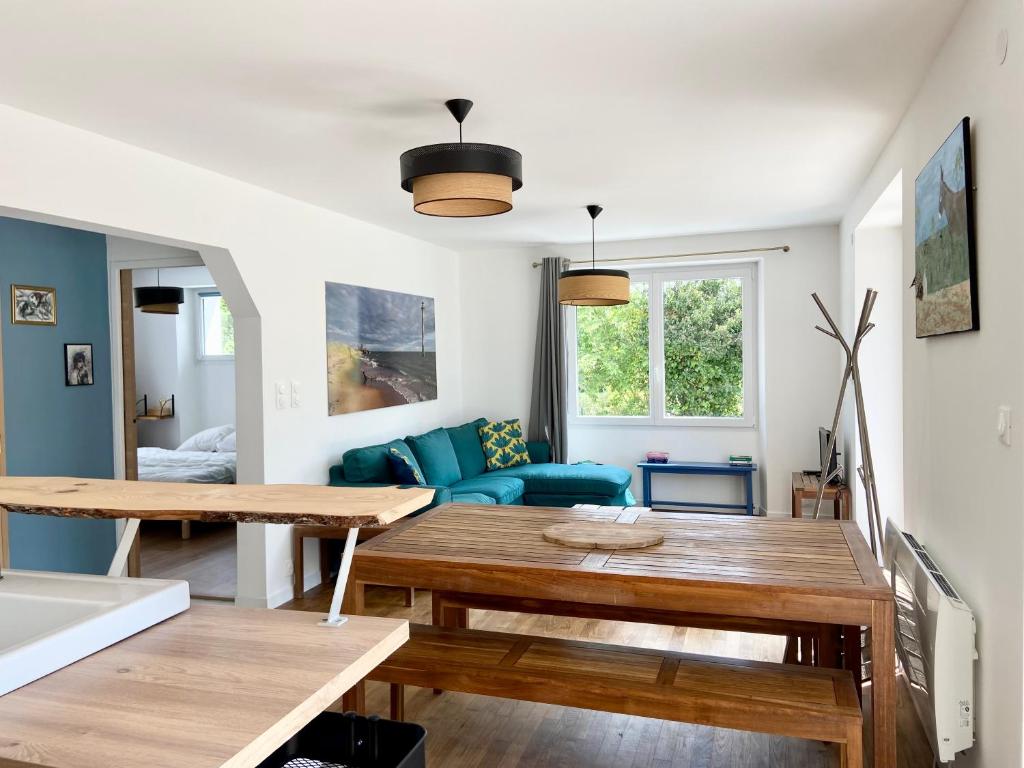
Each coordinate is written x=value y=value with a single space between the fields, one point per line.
x=829 y=462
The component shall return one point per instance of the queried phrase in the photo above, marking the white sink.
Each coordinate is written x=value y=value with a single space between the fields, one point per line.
x=50 y=620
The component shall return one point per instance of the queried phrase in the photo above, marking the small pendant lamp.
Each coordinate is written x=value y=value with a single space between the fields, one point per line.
x=461 y=180
x=593 y=287
x=159 y=299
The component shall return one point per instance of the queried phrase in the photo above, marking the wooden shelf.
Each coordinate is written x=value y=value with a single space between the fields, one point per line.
x=285 y=504
x=154 y=417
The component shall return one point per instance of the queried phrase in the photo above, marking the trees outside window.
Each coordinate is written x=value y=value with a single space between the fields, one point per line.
x=681 y=352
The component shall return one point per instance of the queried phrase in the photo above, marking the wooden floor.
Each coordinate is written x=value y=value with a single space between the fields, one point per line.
x=467 y=731
x=207 y=560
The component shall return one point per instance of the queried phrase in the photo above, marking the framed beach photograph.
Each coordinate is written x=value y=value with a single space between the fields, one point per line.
x=33 y=305
x=945 y=275
x=381 y=349
x=77 y=365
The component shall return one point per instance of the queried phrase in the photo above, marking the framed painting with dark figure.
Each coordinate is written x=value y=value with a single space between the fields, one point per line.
x=381 y=349
x=77 y=365
x=33 y=305
x=945 y=279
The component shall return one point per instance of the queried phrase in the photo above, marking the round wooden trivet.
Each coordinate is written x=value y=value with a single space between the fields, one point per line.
x=603 y=535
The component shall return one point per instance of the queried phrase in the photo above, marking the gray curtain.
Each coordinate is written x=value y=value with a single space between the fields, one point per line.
x=548 y=406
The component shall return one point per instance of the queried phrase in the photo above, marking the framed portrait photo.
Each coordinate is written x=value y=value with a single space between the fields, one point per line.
x=77 y=365
x=33 y=305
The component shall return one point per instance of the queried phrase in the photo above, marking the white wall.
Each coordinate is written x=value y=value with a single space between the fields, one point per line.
x=270 y=256
x=964 y=491
x=209 y=385
x=879 y=265
x=799 y=365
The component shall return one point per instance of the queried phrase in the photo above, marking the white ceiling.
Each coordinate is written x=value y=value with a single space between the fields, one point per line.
x=679 y=116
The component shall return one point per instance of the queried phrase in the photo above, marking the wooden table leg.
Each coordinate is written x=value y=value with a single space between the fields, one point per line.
x=354 y=604
x=798 y=501
x=298 y=580
x=883 y=682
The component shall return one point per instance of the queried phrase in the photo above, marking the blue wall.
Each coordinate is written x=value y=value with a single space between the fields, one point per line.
x=53 y=429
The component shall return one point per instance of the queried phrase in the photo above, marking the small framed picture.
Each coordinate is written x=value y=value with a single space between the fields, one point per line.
x=33 y=305
x=77 y=365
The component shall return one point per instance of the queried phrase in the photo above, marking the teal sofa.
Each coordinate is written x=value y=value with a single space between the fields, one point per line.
x=453 y=464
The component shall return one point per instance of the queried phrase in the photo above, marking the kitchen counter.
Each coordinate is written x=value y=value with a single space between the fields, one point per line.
x=214 y=686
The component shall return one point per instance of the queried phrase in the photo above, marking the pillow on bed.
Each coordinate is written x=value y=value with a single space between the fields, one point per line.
x=207 y=439
x=227 y=445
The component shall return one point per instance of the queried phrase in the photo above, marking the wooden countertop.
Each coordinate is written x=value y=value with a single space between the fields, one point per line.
x=214 y=686
x=288 y=504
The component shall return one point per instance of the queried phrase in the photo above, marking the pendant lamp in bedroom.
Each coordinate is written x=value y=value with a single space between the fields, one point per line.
x=159 y=299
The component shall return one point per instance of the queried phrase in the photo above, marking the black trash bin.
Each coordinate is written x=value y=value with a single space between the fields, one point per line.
x=335 y=740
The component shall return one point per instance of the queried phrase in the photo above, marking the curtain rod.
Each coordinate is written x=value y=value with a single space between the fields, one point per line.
x=783 y=248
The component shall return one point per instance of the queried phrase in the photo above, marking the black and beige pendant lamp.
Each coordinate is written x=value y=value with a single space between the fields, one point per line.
x=159 y=299
x=461 y=180
x=593 y=287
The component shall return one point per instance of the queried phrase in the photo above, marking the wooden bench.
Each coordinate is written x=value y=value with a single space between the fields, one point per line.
x=803 y=702
x=807 y=643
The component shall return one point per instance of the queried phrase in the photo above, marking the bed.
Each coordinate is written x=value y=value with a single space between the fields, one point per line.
x=164 y=466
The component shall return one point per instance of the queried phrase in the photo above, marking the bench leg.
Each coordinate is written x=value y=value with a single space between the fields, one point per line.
x=851 y=657
x=397 y=702
x=298 y=581
x=444 y=615
x=851 y=754
x=354 y=699
x=828 y=647
x=410 y=597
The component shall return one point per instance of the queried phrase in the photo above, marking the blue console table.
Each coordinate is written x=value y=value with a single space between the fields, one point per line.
x=699 y=468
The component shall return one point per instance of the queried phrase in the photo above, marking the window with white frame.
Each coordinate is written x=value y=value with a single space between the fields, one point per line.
x=682 y=352
x=216 y=327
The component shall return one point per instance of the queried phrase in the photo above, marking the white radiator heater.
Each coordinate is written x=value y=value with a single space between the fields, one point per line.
x=935 y=643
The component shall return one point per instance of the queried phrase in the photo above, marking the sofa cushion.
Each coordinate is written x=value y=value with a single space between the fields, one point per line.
x=468 y=450
x=404 y=467
x=369 y=464
x=504 y=490
x=436 y=456
x=570 y=479
x=472 y=498
x=503 y=444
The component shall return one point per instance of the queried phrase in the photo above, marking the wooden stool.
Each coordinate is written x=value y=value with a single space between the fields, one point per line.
x=805 y=486
x=321 y=532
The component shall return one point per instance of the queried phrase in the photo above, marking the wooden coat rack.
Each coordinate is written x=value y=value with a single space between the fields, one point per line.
x=866 y=470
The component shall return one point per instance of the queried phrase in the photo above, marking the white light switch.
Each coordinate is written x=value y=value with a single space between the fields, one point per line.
x=281 y=395
x=1004 y=425
x=296 y=394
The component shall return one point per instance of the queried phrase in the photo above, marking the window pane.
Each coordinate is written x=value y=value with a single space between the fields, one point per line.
x=612 y=358
x=703 y=325
x=218 y=326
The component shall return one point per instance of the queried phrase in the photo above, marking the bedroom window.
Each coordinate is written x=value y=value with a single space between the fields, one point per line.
x=216 y=328
x=682 y=352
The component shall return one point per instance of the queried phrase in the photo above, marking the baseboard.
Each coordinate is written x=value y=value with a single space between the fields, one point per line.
x=311 y=578
x=250 y=602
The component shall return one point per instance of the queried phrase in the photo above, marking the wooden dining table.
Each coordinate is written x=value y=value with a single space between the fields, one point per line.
x=737 y=568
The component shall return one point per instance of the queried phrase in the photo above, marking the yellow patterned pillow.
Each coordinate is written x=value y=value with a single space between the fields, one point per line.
x=503 y=444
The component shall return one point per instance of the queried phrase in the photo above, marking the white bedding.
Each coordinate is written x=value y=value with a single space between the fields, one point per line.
x=163 y=466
